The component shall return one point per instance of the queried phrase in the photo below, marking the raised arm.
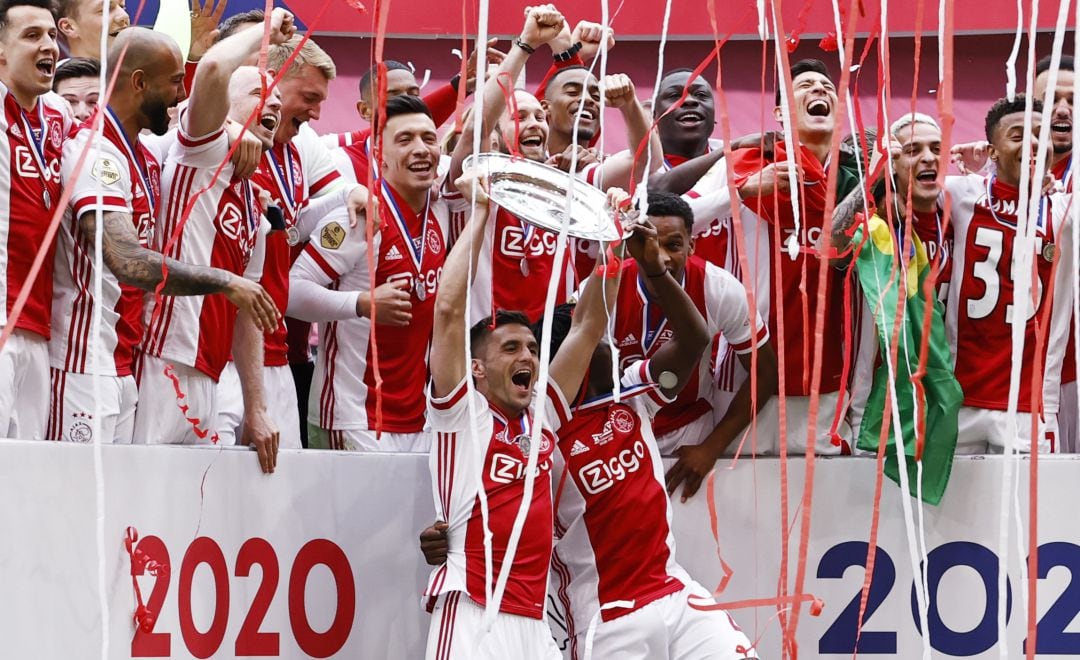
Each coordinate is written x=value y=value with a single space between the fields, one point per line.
x=447 y=357
x=137 y=266
x=690 y=336
x=542 y=24
x=621 y=169
x=209 y=105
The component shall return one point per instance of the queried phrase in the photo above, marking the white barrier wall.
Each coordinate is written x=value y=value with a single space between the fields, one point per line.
x=321 y=559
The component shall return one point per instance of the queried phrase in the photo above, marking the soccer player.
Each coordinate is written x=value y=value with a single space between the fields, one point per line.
x=81 y=26
x=331 y=283
x=523 y=257
x=980 y=307
x=77 y=81
x=765 y=200
x=211 y=219
x=693 y=427
x=1061 y=165
x=572 y=104
x=492 y=427
x=35 y=124
x=119 y=186
x=295 y=171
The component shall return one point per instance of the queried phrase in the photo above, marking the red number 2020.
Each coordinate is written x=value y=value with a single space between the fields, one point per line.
x=250 y=641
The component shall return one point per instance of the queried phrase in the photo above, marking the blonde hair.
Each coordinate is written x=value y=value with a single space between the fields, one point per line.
x=912 y=118
x=310 y=54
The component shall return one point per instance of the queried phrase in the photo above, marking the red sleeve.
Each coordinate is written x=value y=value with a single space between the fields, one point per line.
x=442 y=103
x=573 y=61
x=189 y=74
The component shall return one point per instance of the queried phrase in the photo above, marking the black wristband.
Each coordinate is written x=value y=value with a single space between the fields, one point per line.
x=524 y=46
x=568 y=53
x=455 y=82
x=275 y=217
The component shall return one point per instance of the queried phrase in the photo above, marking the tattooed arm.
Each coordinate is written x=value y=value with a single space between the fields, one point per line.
x=137 y=266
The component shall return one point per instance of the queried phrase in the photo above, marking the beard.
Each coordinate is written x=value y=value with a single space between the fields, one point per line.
x=156 y=112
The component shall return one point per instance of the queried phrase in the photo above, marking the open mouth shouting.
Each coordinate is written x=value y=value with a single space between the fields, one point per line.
x=422 y=167
x=46 y=65
x=522 y=381
x=269 y=121
x=818 y=108
x=927 y=177
x=532 y=143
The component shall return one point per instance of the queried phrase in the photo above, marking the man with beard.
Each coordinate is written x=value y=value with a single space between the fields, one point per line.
x=523 y=256
x=188 y=340
x=81 y=26
x=332 y=283
x=295 y=171
x=765 y=199
x=34 y=124
x=119 y=186
x=980 y=307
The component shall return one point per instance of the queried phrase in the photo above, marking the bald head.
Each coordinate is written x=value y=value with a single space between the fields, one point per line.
x=151 y=77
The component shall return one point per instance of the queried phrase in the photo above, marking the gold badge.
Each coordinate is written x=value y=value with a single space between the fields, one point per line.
x=105 y=171
x=332 y=236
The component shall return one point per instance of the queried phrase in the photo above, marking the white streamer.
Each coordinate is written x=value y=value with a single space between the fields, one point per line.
x=98 y=350
x=1074 y=217
x=793 y=243
x=1010 y=65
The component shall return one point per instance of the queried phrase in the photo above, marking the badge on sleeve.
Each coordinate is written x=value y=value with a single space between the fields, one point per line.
x=105 y=171
x=332 y=236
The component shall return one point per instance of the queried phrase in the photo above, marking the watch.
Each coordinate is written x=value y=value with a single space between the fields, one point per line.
x=568 y=53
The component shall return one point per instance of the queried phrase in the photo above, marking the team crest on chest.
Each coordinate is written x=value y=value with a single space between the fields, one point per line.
x=54 y=134
x=16 y=131
x=433 y=242
x=332 y=236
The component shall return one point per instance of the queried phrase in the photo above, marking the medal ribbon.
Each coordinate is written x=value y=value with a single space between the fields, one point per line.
x=285 y=181
x=37 y=146
x=132 y=154
x=416 y=252
x=648 y=334
x=1012 y=225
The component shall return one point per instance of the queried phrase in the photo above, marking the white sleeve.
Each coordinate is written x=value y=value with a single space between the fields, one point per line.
x=639 y=374
x=315 y=210
x=729 y=312
x=1059 y=337
x=320 y=174
x=335 y=251
x=709 y=199
x=105 y=173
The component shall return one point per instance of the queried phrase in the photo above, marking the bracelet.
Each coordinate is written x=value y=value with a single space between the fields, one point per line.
x=610 y=270
x=524 y=46
x=568 y=53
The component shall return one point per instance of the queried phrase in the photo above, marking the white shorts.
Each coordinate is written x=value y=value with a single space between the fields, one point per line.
x=1068 y=420
x=163 y=417
x=71 y=415
x=693 y=433
x=280 y=395
x=24 y=386
x=457 y=633
x=669 y=629
x=798 y=407
x=982 y=431
x=230 y=406
x=365 y=440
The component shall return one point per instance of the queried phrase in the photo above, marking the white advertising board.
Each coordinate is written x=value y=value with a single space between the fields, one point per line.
x=321 y=558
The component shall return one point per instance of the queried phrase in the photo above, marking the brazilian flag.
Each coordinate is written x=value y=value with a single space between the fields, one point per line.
x=883 y=278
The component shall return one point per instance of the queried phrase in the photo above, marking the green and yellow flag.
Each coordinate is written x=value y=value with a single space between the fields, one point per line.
x=882 y=277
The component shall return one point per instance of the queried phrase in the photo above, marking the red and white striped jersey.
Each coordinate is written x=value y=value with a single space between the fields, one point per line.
x=714 y=242
x=224 y=229
x=640 y=329
x=117 y=177
x=292 y=174
x=796 y=258
x=613 y=499
x=501 y=450
x=409 y=247
x=516 y=275
x=31 y=143
x=979 y=313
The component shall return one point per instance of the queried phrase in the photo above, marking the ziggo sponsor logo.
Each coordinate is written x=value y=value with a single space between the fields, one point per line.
x=150 y=556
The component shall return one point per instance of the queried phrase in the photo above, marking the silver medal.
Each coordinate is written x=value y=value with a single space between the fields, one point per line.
x=1048 y=252
x=523 y=266
x=419 y=289
x=47 y=198
x=292 y=235
x=523 y=443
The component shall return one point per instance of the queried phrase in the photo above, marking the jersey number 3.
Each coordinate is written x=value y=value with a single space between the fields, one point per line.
x=988 y=271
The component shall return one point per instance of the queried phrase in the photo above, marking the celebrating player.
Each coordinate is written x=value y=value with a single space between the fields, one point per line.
x=523 y=257
x=408 y=253
x=77 y=80
x=81 y=25
x=211 y=219
x=980 y=308
x=35 y=123
x=119 y=187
